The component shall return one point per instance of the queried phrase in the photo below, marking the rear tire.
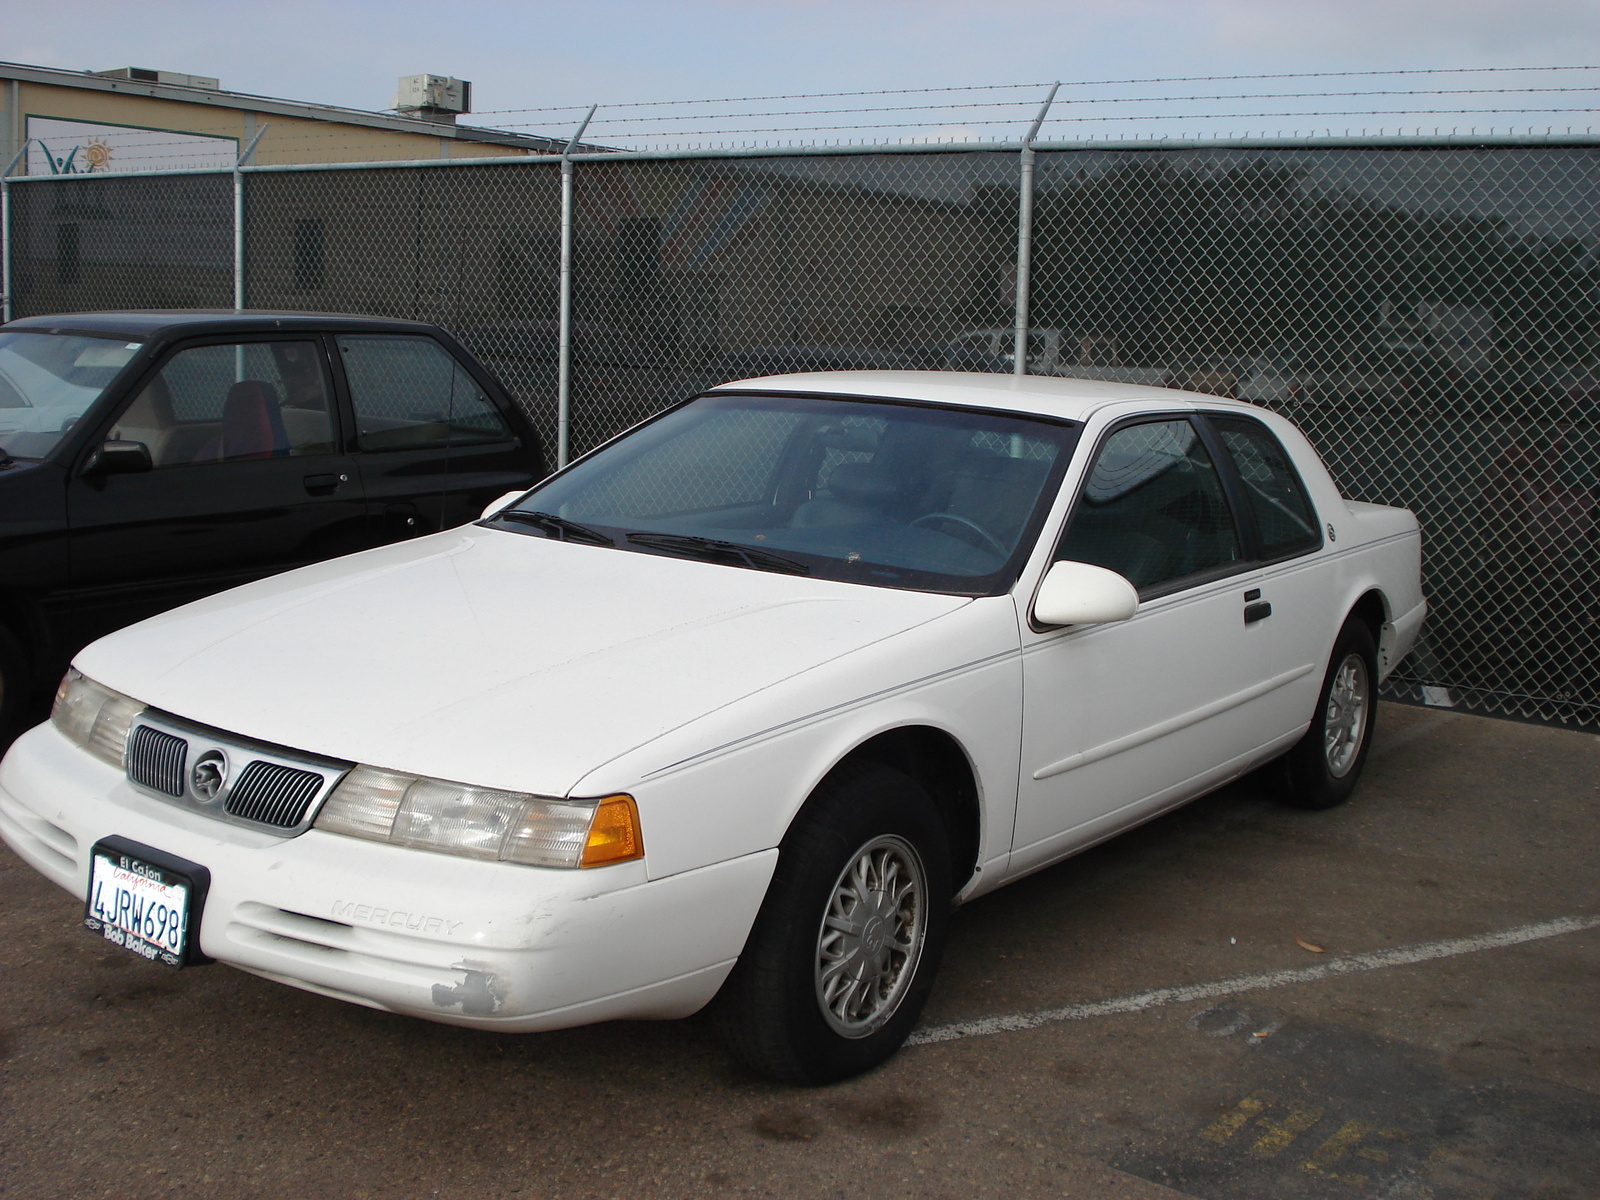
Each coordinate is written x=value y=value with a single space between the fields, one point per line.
x=848 y=940
x=1325 y=764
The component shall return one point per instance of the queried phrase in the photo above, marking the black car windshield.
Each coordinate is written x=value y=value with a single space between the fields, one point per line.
x=48 y=381
x=893 y=494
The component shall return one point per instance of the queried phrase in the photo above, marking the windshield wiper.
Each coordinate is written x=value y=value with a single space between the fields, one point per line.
x=559 y=528
x=711 y=550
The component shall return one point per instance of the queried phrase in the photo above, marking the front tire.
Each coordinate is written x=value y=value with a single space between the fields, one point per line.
x=1326 y=763
x=16 y=687
x=848 y=940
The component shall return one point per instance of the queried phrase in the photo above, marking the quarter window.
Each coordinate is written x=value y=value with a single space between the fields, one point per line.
x=1152 y=509
x=1282 y=510
x=410 y=391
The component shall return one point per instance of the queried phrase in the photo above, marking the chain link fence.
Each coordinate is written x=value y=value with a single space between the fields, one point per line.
x=473 y=249
x=1426 y=315
x=1425 y=312
x=692 y=272
x=158 y=242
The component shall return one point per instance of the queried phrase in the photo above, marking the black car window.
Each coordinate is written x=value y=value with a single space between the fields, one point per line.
x=1152 y=509
x=1282 y=510
x=410 y=391
x=233 y=400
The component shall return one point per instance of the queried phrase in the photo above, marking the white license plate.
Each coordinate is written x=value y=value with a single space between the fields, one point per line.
x=139 y=905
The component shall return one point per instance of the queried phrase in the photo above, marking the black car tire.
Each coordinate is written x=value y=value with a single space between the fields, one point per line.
x=16 y=685
x=1325 y=764
x=836 y=970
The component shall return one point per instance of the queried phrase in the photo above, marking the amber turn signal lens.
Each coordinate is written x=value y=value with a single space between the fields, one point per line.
x=614 y=833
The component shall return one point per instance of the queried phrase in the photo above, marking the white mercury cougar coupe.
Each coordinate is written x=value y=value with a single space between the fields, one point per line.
x=732 y=708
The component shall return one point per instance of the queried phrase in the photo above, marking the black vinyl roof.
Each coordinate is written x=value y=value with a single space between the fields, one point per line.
x=156 y=324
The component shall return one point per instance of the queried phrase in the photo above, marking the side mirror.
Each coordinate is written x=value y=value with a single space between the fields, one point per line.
x=119 y=458
x=1075 y=593
x=505 y=501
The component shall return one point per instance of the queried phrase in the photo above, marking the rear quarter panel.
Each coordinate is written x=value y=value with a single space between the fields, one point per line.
x=1367 y=548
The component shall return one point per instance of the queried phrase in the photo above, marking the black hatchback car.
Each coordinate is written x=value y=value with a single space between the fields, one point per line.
x=151 y=458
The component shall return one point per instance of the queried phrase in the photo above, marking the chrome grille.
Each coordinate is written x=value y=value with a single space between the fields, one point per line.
x=156 y=759
x=273 y=794
x=256 y=784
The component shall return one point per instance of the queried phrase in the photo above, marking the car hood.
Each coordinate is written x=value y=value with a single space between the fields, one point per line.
x=492 y=657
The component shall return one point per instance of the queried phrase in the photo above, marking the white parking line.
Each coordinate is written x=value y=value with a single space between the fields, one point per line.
x=1371 y=961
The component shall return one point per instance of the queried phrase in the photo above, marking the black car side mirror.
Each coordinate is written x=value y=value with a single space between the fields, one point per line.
x=119 y=458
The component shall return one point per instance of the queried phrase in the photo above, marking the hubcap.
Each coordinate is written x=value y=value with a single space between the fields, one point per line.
x=1349 y=700
x=871 y=936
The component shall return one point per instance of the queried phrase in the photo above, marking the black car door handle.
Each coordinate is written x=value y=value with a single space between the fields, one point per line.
x=1259 y=611
x=324 y=485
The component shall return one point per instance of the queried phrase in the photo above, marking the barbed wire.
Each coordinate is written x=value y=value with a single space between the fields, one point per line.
x=996 y=87
x=995 y=112
x=1395 y=112
x=1028 y=107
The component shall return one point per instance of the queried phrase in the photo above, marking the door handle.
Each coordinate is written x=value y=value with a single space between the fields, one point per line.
x=1259 y=611
x=325 y=485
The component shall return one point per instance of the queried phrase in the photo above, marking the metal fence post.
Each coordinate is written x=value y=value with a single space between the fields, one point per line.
x=1019 y=341
x=5 y=232
x=564 y=313
x=238 y=218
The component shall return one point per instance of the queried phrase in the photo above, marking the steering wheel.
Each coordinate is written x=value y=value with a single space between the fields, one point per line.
x=988 y=539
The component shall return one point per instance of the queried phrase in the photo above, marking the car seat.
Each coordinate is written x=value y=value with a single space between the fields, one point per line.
x=252 y=424
x=150 y=419
x=858 y=492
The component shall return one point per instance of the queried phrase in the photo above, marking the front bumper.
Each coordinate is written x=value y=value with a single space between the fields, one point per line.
x=486 y=944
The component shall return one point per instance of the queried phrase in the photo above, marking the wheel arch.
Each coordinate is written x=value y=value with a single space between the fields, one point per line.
x=1372 y=609
x=937 y=761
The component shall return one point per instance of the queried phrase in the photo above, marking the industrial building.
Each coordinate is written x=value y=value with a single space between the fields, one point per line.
x=56 y=122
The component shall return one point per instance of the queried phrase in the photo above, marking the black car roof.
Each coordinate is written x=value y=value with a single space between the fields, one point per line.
x=155 y=324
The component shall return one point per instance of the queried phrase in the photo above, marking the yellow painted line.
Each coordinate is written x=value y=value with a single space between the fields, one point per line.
x=1225 y=1126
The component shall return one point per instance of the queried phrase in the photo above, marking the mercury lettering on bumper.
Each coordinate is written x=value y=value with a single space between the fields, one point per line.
x=370 y=914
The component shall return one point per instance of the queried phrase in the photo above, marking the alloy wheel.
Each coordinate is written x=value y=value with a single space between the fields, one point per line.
x=871 y=936
x=1349 y=700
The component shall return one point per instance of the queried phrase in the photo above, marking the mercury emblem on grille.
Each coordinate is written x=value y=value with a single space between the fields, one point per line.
x=209 y=773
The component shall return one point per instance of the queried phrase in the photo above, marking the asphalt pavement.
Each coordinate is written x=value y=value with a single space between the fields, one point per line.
x=1396 y=999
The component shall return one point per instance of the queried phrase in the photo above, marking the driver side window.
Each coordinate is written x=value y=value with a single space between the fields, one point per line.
x=232 y=401
x=1152 y=508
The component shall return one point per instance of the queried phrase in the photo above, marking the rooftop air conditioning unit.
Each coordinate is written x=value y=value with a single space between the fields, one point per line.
x=432 y=97
x=146 y=75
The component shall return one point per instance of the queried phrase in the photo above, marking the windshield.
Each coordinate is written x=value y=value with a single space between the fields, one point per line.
x=48 y=381
x=899 y=495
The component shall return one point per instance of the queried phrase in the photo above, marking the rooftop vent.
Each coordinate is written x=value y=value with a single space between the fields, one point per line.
x=145 y=75
x=432 y=97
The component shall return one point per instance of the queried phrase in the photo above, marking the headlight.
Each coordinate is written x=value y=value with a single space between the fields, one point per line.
x=456 y=818
x=94 y=717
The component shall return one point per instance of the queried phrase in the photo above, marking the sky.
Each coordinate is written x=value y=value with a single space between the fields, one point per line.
x=540 y=54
